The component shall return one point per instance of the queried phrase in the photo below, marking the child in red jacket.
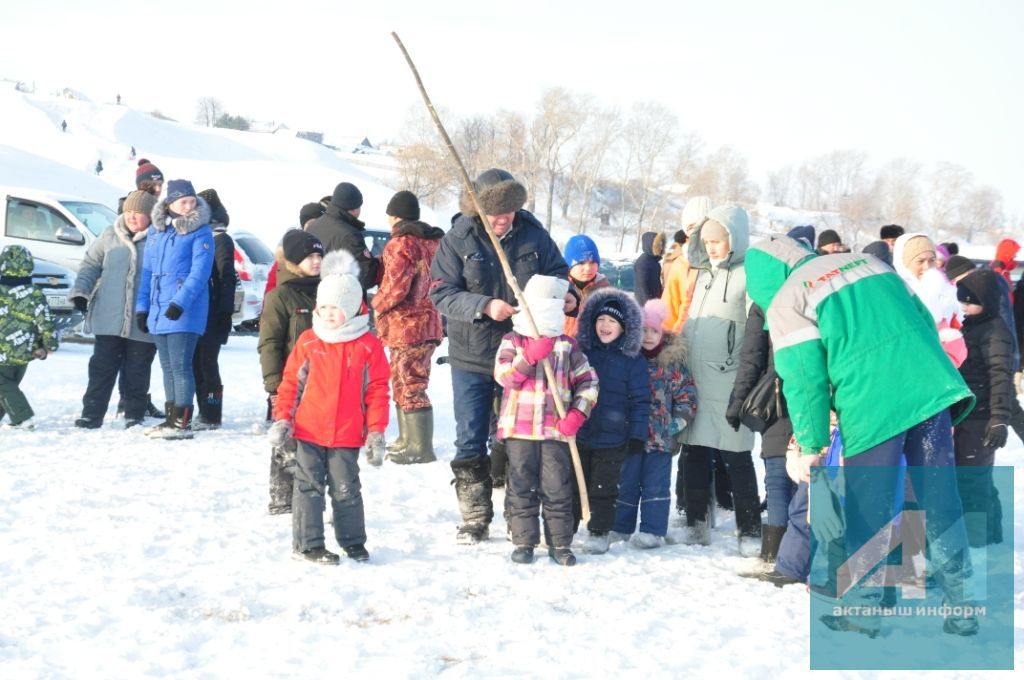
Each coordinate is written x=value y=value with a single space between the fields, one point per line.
x=330 y=366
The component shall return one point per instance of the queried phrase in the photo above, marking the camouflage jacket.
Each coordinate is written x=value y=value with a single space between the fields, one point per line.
x=405 y=314
x=25 y=324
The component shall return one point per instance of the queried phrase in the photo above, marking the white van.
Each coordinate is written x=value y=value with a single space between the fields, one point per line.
x=54 y=227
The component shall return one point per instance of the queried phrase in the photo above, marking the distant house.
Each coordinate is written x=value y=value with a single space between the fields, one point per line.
x=271 y=127
x=350 y=144
x=317 y=137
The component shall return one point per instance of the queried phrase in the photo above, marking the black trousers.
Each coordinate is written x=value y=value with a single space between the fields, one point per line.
x=133 y=360
x=743 y=482
x=206 y=369
x=601 y=470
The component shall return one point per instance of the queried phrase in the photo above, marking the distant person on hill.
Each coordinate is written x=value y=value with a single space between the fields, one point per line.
x=118 y=100
x=647 y=268
x=99 y=166
x=340 y=228
x=131 y=156
x=63 y=126
x=223 y=280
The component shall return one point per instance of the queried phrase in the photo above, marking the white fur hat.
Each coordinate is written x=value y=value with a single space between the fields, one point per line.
x=695 y=210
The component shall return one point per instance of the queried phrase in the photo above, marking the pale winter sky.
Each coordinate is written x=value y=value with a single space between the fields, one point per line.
x=780 y=81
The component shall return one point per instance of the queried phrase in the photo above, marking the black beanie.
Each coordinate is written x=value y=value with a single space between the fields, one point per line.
x=890 y=231
x=218 y=213
x=298 y=245
x=347 y=197
x=980 y=287
x=957 y=265
x=308 y=212
x=404 y=204
x=612 y=308
x=828 y=237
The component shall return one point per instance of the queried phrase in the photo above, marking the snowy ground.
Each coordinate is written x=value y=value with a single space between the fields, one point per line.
x=125 y=557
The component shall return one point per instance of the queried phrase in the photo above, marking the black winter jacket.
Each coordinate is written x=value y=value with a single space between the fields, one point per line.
x=223 y=281
x=647 y=269
x=337 y=229
x=467 y=275
x=757 y=357
x=988 y=368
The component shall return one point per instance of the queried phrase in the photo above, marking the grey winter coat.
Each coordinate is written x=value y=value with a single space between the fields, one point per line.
x=714 y=336
x=108 y=279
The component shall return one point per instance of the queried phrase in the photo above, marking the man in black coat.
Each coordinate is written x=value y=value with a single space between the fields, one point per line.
x=647 y=268
x=340 y=227
x=471 y=292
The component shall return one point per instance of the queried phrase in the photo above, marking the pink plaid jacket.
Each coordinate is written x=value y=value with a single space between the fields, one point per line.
x=527 y=409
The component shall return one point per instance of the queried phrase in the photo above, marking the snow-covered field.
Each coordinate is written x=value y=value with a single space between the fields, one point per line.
x=126 y=557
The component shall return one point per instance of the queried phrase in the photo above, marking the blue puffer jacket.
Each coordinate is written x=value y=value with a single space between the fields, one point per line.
x=623 y=407
x=176 y=269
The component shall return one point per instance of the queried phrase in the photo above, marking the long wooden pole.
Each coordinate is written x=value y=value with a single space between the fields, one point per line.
x=524 y=308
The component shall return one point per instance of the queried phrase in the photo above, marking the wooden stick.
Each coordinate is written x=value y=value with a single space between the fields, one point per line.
x=505 y=267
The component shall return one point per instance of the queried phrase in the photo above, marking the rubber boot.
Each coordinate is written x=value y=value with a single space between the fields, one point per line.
x=473 y=489
x=419 y=442
x=771 y=538
x=181 y=420
x=398 y=444
x=158 y=430
x=499 y=464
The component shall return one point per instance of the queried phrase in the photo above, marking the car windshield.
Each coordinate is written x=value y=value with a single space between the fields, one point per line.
x=95 y=216
x=255 y=250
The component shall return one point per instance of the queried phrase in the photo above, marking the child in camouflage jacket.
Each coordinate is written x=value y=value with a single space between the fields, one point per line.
x=26 y=331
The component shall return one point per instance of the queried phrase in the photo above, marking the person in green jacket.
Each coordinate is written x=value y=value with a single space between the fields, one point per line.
x=26 y=332
x=287 y=313
x=850 y=337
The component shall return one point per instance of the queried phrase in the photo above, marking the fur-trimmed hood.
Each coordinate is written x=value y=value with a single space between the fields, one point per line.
x=634 y=333
x=417 y=229
x=185 y=224
x=653 y=243
x=673 y=350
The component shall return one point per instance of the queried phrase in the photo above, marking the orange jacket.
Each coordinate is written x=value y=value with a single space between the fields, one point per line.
x=676 y=294
x=335 y=393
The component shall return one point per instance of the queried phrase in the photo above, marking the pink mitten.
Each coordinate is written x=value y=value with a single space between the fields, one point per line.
x=953 y=343
x=536 y=349
x=571 y=423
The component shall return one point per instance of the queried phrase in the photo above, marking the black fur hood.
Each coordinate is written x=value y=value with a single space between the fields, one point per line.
x=184 y=224
x=634 y=333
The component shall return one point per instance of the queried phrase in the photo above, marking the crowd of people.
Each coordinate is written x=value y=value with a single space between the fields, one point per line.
x=575 y=373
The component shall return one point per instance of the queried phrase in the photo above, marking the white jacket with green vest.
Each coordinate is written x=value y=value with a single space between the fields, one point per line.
x=850 y=336
x=714 y=333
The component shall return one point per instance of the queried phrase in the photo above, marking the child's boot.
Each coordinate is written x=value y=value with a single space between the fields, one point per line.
x=562 y=556
x=523 y=554
x=317 y=555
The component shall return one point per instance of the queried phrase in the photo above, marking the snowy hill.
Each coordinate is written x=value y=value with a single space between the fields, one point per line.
x=263 y=179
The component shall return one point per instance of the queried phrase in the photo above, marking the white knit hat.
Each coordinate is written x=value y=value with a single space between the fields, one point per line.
x=546 y=297
x=695 y=210
x=339 y=284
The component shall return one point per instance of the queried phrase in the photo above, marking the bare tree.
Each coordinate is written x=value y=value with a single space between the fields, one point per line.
x=780 y=185
x=898 y=193
x=648 y=136
x=513 y=152
x=724 y=177
x=590 y=157
x=948 y=185
x=981 y=211
x=557 y=121
x=423 y=164
x=208 y=111
x=475 y=139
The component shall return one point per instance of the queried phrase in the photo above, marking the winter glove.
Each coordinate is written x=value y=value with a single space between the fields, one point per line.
x=140 y=321
x=279 y=432
x=995 y=436
x=732 y=414
x=1017 y=377
x=173 y=312
x=81 y=304
x=375 y=448
x=537 y=349
x=825 y=514
x=571 y=423
x=636 y=446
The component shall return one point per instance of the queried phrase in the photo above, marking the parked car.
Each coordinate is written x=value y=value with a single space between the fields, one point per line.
x=375 y=240
x=58 y=228
x=253 y=260
x=619 y=273
x=56 y=282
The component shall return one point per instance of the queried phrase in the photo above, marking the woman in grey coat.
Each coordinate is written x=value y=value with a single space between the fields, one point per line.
x=105 y=290
x=714 y=336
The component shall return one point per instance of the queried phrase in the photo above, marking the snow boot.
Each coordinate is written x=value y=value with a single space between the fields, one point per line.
x=177 y=426
x=597 y=543
x=153 y=412
x=211 y=409
x=617 y=537
x=698 y=503
x=522 y=554
x=645 y=541
x=847 y=625
x=89 y=423
x=317 y=556
x=473 y=489
x=156 y=430
x=562 y=556
x=419 y=438
x=357 y=552
x=771 y=538
x=748 y=546
x=698 y=534
x=398 y=444
x=775 y=578
x=282 y=480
